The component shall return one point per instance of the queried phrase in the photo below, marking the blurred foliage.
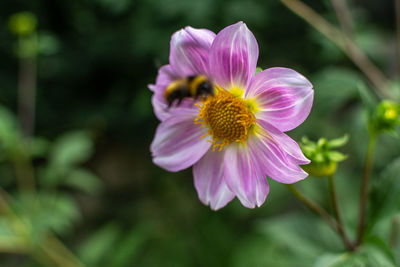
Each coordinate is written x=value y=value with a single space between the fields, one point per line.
x=28 y=217
x=97 y=188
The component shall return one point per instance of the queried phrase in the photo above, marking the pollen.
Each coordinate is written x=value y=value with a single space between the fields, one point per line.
x=228 y=118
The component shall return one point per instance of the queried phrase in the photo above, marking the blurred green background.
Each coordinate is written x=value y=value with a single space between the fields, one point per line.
x=97 y=187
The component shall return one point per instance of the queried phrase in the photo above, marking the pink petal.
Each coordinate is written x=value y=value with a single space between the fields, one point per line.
x=278 y=157
x=209 y=180
x=286 y=143
x=284 y=97
x=164 y=112
x=233 y=56
x=177 y=144
x=189 y=51
x=165 y=76
x=244 y=175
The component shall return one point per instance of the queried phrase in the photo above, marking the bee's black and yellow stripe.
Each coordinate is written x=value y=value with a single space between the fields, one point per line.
x=180 y=84
x=191 y=86
x=195 y=83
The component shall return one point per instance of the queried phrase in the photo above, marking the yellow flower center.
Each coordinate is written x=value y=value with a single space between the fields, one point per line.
x=228 y=117
x=390 y=114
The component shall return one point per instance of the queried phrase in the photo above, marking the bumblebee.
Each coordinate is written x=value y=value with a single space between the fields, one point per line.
x=191 y=86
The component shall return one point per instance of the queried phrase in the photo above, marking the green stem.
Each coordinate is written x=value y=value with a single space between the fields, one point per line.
x=349 y=245
x=344 y=17
x=58 y=253
x=394 y=232
x=13 y=245
x=364 y=189
x=27 y=87
x=397 y=5
x=320 y=211
x=24 y=173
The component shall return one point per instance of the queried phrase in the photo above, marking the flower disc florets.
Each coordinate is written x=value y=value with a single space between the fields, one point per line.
x=228 y=118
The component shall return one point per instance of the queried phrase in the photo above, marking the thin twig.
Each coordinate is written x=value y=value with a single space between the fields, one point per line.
x=56 y=244
x=397 y=4
x=336 y=211
x=394 y=232
x=13 y=244
x=24 y=173
x=364 y=189
x=320 y=211
x=26 y=95
x=344 y=17
x=58 y=253
x=377 y=78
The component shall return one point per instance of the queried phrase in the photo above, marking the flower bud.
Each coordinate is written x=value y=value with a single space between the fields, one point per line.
x=22 y=23
x=323 y=159
x=385 y=117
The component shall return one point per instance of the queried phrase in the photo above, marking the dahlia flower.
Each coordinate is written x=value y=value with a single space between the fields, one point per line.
x=235 y=138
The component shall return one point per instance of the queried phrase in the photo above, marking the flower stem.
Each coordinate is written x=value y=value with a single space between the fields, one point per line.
x=27 y=90
x=364 y=188
x=394 y=232
x=344 y=17
x=336 y=211
x=24 y=174
x=359 y=58
x=397 y=5
x=320 y=211
x=58 y=253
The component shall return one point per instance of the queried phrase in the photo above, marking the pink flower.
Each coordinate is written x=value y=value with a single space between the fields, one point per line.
x=235 y=138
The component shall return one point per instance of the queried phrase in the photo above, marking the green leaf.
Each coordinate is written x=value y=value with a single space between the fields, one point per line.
x=385 y=192
x=336 y=156
x=129 y=246
x=379 y=243
x=48 y=44
x=99 y=245
x=71 y=149
x=52 y=175
x=55 y=211
x=9 y=131
x=84 y=180
x=319 y=158
x=38 y=147
x=6 y=227
x=334 y=87
x=375 y=256
x=330 y=259
x=369 y=100
x=321 y=142
x=338 y=142
x=290 y=240
x=368 y=255
x=258 y=69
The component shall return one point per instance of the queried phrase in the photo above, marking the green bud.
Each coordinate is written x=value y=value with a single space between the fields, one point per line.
x=385 y=117
x=22 y=23
x=320 y=169
x=323 y=159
